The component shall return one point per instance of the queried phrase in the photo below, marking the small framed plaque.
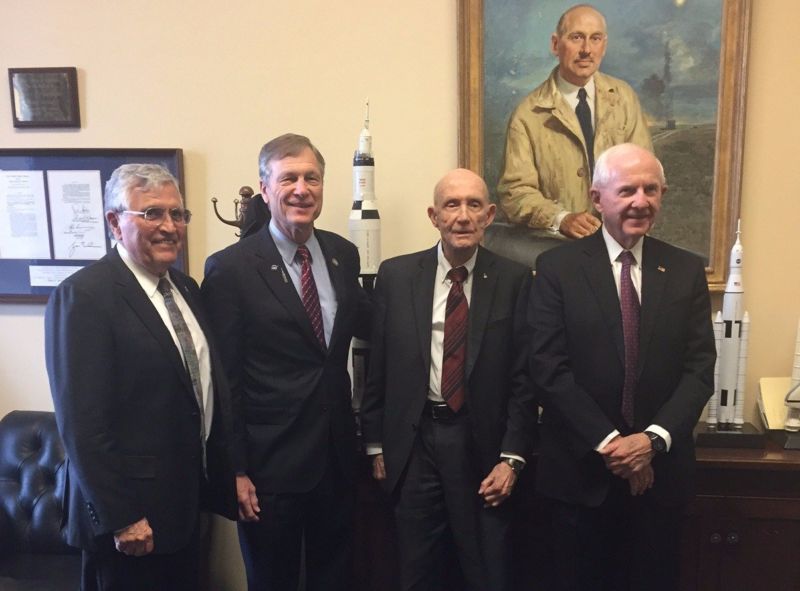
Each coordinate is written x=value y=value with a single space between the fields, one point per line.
x=44 y=97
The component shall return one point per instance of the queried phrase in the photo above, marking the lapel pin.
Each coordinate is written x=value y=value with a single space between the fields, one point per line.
x=335 y=262
x=283 y=273
x=485 y=276
x=661 y=269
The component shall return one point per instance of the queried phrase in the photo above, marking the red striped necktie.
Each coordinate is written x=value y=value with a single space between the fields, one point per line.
x=309 y=293
x=455 y=340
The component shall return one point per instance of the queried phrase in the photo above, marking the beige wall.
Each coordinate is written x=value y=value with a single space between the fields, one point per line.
x=217 y=83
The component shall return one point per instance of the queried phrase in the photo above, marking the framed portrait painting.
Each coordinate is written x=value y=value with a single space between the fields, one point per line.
x=685 y=59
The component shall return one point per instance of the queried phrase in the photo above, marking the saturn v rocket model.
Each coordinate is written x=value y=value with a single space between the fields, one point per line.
x=365 y=232
x=732 y=331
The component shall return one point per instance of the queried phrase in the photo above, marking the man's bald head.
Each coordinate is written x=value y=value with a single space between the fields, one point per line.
x=461 y=211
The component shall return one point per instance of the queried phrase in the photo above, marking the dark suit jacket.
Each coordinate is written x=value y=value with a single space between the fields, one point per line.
x=499 y=397
x=127 y=412
x=578 y=364
x=292 y=397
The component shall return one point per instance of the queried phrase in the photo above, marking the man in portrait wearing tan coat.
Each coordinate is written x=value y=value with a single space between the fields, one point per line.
x=557 y=129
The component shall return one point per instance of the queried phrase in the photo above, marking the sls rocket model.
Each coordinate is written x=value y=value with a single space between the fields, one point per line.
x=365 y=232
x=732 y=331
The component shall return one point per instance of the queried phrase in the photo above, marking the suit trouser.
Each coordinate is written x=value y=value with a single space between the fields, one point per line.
x=626 y=544
x=439 y=491
x=319 y=521
x=110 y=570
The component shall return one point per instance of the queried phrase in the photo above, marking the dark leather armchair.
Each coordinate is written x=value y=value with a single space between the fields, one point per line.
x=33 y=554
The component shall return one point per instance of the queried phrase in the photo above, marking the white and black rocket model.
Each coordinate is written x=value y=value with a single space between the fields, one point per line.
x=732 y=331
x=365 y=232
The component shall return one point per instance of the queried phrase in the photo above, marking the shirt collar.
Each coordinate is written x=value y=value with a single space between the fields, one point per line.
x=615 y=249
x=445 y=266
x=570 y=90
x=146 y=279
x=288 y=248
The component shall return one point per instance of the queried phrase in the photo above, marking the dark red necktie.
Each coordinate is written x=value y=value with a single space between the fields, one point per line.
x=309 y=293
x=629 y=305
x=455 y=340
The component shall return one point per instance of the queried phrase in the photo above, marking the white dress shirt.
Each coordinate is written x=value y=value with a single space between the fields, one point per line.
x=614 y=251
x=322 y=278
x=149 y=283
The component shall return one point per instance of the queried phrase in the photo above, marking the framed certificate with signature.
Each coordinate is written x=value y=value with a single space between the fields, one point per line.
x=52 y=221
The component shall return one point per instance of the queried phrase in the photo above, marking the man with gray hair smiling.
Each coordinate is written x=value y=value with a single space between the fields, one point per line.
x=285 y=303
x=140 y=397
x=623 y=359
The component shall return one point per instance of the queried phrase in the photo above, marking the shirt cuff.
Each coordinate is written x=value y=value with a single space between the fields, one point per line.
x=512 y=456
x=605 y=441
x=556 y=227
x=663 y=433
x=373 y=449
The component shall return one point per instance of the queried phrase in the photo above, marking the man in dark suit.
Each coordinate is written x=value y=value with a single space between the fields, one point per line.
x=448 y=411
x=623 y=355
x=140 y=398
x=285 y=303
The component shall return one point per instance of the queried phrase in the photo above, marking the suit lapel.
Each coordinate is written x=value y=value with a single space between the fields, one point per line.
x=422 y=301
x=132 y=293
x=339 y=283
x=270 y=267
x=654 y=279
x=597 y=269
x=484 y=281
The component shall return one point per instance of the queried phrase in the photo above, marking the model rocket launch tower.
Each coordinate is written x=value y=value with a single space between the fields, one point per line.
x=365 y=232
x=732 y=331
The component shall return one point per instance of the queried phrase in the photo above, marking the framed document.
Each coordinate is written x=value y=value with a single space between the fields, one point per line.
x=52 y=219
x=44 y=97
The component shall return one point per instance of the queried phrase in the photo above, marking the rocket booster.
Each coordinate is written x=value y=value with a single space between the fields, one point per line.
x=365 y=221
x=713 y=404
x=732 y=348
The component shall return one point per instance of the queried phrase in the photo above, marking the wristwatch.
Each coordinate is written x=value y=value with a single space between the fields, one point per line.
x=657 y=442
x=515 y=464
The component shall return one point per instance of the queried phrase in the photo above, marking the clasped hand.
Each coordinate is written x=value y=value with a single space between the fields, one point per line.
x=630 y=458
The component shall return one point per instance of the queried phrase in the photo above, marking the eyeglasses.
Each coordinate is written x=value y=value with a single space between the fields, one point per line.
x=156 y=214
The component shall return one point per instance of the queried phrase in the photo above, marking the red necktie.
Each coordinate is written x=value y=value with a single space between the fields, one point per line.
x=629 y=305
x=455 y=340
x=309 y=292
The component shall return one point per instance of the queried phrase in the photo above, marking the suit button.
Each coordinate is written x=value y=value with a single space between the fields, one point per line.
x=581 y=172
x=324 y=408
